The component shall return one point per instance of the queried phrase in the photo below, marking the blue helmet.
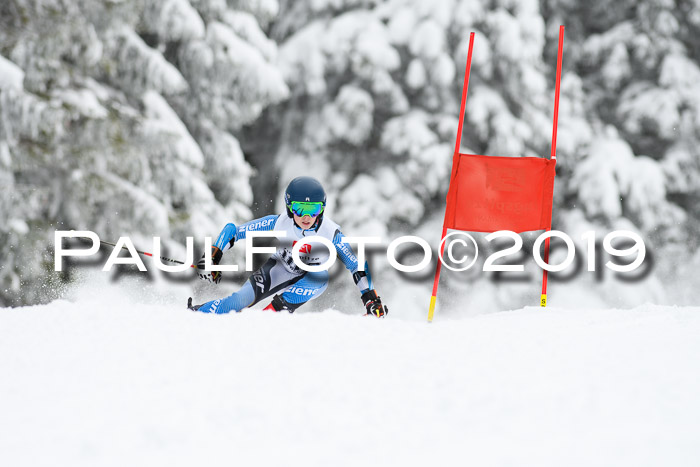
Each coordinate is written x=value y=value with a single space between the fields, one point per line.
x=304 y=189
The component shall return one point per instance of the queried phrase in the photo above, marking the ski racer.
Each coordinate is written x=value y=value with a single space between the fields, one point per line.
x=305 y=201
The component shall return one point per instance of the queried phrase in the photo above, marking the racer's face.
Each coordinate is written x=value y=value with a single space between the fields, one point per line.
x=305 y=222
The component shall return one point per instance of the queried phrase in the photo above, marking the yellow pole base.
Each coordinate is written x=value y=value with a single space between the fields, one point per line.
x=431 y=310
x=543 y=300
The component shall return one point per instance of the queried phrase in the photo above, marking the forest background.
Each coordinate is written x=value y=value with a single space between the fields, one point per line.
x=171 y=118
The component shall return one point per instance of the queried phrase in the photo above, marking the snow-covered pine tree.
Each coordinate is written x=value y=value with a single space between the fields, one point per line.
x=638 y=64
x=121 y=117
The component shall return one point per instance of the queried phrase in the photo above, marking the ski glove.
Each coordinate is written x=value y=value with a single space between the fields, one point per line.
x=374 y=304
x=210 y=276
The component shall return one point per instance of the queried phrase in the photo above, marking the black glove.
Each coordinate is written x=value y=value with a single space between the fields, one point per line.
x=210 y=276
x=374 y=304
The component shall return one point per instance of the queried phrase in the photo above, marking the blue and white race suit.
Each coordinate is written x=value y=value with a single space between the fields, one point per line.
x=280 y=273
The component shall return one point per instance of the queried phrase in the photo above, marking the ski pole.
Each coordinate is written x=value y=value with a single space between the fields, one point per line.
x=148 y=254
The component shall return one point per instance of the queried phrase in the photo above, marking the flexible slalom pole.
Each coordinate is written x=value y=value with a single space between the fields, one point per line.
x=147 y=254
x=455 y=159
x=543 y=297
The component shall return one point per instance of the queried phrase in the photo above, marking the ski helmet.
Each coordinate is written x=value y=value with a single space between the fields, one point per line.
x=305 y=190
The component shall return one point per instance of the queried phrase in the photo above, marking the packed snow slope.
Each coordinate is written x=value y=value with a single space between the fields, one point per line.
x=113 y=383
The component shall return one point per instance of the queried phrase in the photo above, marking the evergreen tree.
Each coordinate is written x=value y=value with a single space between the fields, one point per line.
x=121 y=117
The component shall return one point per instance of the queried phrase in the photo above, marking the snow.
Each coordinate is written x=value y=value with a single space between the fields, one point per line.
x=428 y=40
x=264 y=11
x=647 y=108
x=301 y=60
x=142 y=68
x=666 y=24
x=415 y=74
x=509 y=32
x=681 y=73
x=401 y=26
x=5 y=156
x=350 y=117
x=612 y=178
x=162 y=118
x=174 y=20
x=239 y=71
x=372 y=50
x=598 y=45
x=363 y=192
x=245 y=26
x=84 y=101
x=603 y=177
x=120 y=378
x=11 y=76
x=444 y=71
x=483 y=103
x=648 y=193
x=407 y=135
x=223 y=154
x=617 y=68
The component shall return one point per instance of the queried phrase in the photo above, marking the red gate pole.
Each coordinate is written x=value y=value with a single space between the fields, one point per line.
x=455 y=159
x=543 y=297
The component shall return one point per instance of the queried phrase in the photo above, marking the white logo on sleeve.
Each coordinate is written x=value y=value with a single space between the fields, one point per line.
x=302 y=291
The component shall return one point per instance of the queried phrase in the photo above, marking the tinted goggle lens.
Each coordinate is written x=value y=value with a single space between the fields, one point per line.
x=307 y=209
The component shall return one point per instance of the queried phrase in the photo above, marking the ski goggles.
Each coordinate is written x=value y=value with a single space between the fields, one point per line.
x=302 y=209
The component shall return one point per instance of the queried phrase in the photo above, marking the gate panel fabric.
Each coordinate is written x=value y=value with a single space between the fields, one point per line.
x=490 y=193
